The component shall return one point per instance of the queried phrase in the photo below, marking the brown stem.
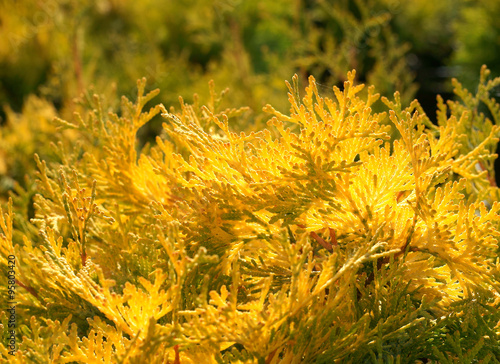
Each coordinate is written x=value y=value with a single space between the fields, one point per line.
x=333 y=236
x=271 y=356
x=491 y=179
x=323 y=243
x=320 y=240
x=83 y=255
x=28 y=288
x=177 y=358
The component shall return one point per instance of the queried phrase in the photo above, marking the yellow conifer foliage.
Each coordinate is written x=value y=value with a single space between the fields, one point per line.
x=332 y=243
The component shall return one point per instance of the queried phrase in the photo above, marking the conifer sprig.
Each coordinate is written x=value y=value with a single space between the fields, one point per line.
x=317 y=240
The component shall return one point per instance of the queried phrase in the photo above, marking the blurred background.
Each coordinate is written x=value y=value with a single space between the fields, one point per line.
x=56 y=52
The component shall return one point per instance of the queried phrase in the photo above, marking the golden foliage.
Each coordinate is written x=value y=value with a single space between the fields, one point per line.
x=318 y=240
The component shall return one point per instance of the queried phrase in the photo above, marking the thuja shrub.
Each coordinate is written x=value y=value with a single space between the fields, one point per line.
x=327 y=238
